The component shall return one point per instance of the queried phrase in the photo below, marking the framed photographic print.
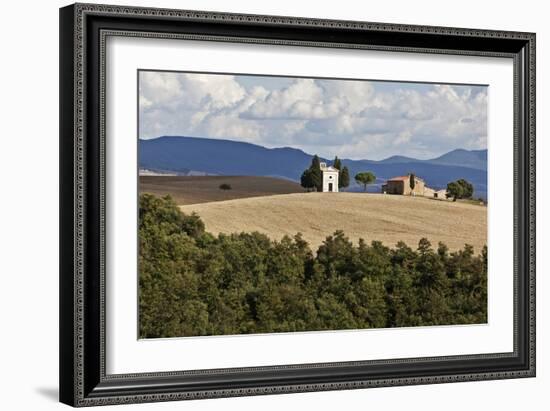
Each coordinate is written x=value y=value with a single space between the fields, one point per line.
x=261 y=204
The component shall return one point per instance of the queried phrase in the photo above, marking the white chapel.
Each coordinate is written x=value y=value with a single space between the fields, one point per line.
x=330 y=178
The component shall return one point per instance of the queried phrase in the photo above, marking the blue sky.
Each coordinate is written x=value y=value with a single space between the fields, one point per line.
x=356 y=119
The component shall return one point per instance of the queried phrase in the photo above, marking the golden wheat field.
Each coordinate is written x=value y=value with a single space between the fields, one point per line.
x=387 y=218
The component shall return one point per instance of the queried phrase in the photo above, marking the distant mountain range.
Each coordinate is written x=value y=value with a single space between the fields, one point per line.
x=192 y=155
x=476 y=159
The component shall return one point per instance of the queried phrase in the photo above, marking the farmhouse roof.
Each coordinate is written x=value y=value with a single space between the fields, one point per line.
x=404 y=178
x=400 y=178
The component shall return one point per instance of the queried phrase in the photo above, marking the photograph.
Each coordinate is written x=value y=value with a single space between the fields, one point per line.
x=280 y=204
x=290 y=201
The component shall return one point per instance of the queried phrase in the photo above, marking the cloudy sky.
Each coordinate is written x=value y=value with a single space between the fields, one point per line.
x=349 y=118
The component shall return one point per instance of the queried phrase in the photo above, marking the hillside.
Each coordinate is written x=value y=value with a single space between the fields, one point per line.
x=370 y=216
x=203 y=189
x=226 y=157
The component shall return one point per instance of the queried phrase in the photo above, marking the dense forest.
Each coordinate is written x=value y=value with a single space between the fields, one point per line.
x=193 y=283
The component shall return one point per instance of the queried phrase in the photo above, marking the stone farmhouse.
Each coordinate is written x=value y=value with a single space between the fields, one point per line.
x=401 y=186
x=330 y=178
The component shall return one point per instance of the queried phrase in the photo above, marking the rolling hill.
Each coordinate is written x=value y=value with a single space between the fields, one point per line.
x=384 y=218
x=226 y=157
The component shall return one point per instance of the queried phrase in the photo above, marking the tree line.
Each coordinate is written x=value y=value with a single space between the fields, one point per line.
x=193 y=283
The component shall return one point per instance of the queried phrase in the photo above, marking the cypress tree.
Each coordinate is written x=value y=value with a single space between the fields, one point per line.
x=316 y=174
x=412 y=182
x=306 y=180
x=343 y=180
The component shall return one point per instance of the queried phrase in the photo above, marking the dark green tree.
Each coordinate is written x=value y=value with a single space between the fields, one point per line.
x=468 y=188
x=306 y=180
x=365 y=178
x=343 y=179
x=454 y=190
x=460 y=189
x=316 y=173
x=313 y=177
x=412 y=182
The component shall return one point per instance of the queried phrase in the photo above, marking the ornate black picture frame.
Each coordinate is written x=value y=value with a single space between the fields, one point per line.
x=83 y=31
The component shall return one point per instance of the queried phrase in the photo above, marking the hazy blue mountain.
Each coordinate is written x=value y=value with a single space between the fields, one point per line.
x=465 y=158
x=226 y=157
x=221 y=157
x=399 y=159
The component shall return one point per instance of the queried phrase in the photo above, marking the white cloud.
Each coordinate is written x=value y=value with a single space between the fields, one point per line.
x=194 y=91
x=353 y=95
x=356 y=119
x=297 y=101
x=402 y=138
x=228 y=126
